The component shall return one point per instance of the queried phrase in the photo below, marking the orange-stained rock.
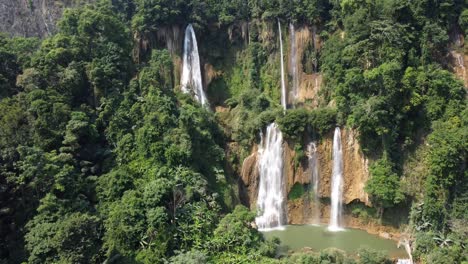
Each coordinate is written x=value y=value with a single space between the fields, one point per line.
x=209 y=74
x=458 y=57
x=460 y=63
x=355 y=167
x=308 y=83
x=250 y=178
x=355 y=172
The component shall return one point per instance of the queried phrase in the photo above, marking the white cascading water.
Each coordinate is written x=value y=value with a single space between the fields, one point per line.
x=407 y=245
x=313 y=165
x=283 y=84
x=337 y=183
x=293 y=62
x=271 y=198
x=191 y=80
x=314 y=42
x=461 y=64
x=404 y=261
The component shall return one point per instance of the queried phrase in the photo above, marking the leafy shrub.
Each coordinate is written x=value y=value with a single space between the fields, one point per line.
x=236 y=234
x=190 y=257
x=299 y=154
x=322 y=119
x=293 y=123
x=362 y=211
x=296 y=192
x=370 y=256
x=463 y=21
x=384 y=185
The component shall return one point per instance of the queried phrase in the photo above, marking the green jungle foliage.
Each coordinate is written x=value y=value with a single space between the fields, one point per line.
x=296 y=192
x=103 y=160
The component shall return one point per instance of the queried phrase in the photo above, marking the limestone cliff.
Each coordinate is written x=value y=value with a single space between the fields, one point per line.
x=355 y=175
x=459 y=59
x=355 y=167
x=32 y=18
x=303 y=42
x=309 y=79
x=250 y=178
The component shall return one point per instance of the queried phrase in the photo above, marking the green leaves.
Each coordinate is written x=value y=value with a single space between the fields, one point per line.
x=77 y=238
x=151 y=13
x=235 y=233
x=463 y=20
x=295 y=122
x=384 y=185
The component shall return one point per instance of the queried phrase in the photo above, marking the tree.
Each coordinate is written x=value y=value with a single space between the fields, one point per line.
x=463 y=20
x=384 y=185
x=236 y=234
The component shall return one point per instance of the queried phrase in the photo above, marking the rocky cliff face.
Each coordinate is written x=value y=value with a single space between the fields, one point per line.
x=355 y=167
x=32 y=18
x=250 y=178
x=309 y=79
x=299 y=211
x=459 y=59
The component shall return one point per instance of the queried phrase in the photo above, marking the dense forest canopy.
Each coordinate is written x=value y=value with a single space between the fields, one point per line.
x=104 y=160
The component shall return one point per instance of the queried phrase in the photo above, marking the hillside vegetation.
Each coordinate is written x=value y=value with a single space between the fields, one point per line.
x=104 y=160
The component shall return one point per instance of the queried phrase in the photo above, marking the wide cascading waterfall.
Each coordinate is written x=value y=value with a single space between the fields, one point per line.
x=293 y=62
x=191 y=80
x=337 y=183
x=314 y=174
x=270 y=202
x=283 y=84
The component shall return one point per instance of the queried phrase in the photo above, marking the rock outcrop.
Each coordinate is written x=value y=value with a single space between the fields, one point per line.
x=458 y=58
x=32 y=18
x=459 y=62
x=309 y=79
x=355 y=167
x=355 y=175
x=250 y=178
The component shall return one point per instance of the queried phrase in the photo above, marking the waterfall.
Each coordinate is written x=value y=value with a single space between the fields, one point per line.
x=407 y=245
x=461 y=64
x=337 y=183
x=314 y=43
x=313 y=165
x=191 y=80
x=404 y=261
x=270 y=202
x=293 y=62
x=283 y=84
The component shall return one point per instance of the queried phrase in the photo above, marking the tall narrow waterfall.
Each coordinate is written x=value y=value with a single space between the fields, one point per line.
x=461 y=64
x=283 y=84
x=293 y=62
x=315 y=42
x=270 y=202
x=191 y=80
x=337 y=183
x=313 y=165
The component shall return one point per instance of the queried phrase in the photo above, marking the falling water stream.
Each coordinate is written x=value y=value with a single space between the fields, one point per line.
x=283 y=84
x=293 y=62
x=270 y=202
x=404 y=261
x=461 y=64
x=191 y=80
x=313 y=165
x=337 y=183
x=271 y=197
